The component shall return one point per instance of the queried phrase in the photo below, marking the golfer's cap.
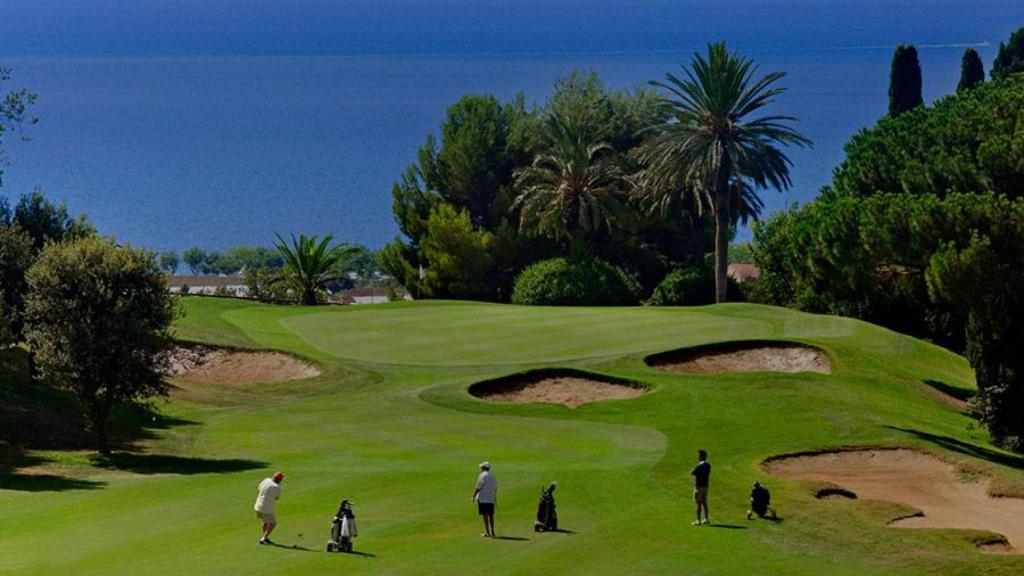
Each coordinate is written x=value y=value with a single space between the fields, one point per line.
x=485 y=465
x=278 y=476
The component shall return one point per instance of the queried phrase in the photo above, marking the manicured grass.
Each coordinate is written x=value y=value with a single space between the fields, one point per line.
x=390 y=426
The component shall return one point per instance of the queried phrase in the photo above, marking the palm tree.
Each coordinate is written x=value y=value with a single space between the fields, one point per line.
x=309 y=263
x=572 y=188
x=710 y=153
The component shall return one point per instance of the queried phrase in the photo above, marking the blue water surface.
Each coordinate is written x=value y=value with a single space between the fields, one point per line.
x=217 y=123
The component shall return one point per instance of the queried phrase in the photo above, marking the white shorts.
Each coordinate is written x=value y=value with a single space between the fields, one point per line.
x=266 y=517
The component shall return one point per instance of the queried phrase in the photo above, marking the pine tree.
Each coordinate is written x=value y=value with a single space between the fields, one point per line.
x=1010 y=59
x=905 y=81
x=972 y=71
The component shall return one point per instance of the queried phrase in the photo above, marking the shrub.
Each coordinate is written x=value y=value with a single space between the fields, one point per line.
x=183 y=291
x=578 y=281
x=694 y=286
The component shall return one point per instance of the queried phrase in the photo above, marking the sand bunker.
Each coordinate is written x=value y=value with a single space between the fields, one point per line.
x=744 y=357
x=918 y=480
x=205 y=364
x=567 y=388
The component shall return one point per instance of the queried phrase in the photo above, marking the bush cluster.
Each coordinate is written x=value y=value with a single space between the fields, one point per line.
x=575 y=281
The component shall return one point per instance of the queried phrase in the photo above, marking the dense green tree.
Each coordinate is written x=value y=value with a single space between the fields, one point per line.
x=573 y=188
x=309 y=264
x=459 y=257
x=720 y=150
x=44 y=220
x=169 y=261
x=972 y=71
x=1010 y=59
x=904 y=81
x=98 y=316
x=962 y=274
x=967 y=142
x=15 y=259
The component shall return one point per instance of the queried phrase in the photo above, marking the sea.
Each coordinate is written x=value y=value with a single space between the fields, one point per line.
x=217 y=123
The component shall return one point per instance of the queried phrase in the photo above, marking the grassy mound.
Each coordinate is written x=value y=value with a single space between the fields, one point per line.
x=389 y=425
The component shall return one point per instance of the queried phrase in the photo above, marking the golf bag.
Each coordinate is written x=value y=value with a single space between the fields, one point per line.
x=547 y=517
x=343 y=529
x=760 y=501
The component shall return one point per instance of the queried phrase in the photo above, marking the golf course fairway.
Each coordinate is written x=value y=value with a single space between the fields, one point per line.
x=389 y=424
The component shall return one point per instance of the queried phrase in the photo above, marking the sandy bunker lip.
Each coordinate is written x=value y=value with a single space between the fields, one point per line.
x=918 y=480
x=570 y=388
x=219 y=365
x=744 y=356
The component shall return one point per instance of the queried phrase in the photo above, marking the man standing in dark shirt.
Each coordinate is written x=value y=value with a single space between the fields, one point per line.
x=701 y=474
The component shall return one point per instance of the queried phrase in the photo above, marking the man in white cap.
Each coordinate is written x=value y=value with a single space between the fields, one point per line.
x=485 y=494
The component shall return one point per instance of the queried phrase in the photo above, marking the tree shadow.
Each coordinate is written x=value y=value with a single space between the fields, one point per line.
x=167 y=464
x=961 y=447
x=37 y=416
x=957 y=392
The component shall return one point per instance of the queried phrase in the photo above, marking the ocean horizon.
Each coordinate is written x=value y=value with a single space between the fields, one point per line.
x=299 y=121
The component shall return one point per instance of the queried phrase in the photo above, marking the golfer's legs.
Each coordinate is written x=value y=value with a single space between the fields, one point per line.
x=270 y=528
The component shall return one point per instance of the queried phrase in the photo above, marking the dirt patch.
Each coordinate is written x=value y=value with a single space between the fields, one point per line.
x=744 y=357
x=206 y=364
x=570 y=389
x=918 y=480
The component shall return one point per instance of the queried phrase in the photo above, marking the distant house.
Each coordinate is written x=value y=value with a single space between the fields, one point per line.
x=743 y=272
x=208 y=284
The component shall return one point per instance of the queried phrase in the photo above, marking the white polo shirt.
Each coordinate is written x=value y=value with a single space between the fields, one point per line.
x=488 y=487
x=269 y=492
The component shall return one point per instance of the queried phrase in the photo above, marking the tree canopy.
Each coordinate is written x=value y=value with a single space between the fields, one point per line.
x=98 y=317
x=904 y=81
x=1010 y=58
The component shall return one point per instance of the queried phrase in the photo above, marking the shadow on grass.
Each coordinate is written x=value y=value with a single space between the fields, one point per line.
x=294 y=547
x=363 y=554
x=165 y=464
x=512 y=538
x=45 y=483
x=726 y=526
x=950 y=390
x=961 y=447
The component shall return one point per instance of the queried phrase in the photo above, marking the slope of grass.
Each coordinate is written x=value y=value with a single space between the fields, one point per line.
x=389 y=425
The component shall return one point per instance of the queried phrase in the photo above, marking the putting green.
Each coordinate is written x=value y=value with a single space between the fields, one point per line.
x=389 y=424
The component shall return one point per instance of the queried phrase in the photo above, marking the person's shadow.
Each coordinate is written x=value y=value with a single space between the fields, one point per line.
x=513 y=538
x=295 y=547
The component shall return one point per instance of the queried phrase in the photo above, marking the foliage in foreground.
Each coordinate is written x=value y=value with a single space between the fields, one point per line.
x=575 y=281
x=98 y=317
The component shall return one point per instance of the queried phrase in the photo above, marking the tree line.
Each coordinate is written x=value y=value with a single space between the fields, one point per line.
x=922 y=230
x=635 y=179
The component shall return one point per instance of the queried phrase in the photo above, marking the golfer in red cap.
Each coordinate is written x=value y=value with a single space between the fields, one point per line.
x=266 y=501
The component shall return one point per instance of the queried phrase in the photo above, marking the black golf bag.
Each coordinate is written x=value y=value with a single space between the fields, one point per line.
x=760 y=501
x=547 y=517
x=343 y=529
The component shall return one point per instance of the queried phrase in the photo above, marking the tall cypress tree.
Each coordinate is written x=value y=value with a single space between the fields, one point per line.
x=972 y=71
x=904 y=81
x=1010 y=59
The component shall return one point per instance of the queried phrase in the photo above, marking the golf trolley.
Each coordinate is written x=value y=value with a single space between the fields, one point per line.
x=343 y=529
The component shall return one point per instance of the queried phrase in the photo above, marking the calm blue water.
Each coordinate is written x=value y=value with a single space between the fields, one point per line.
x=219 y=123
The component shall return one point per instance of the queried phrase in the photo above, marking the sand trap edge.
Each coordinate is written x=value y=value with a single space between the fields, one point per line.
x=659 y=360
x=484 y=389
x=299 y=368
